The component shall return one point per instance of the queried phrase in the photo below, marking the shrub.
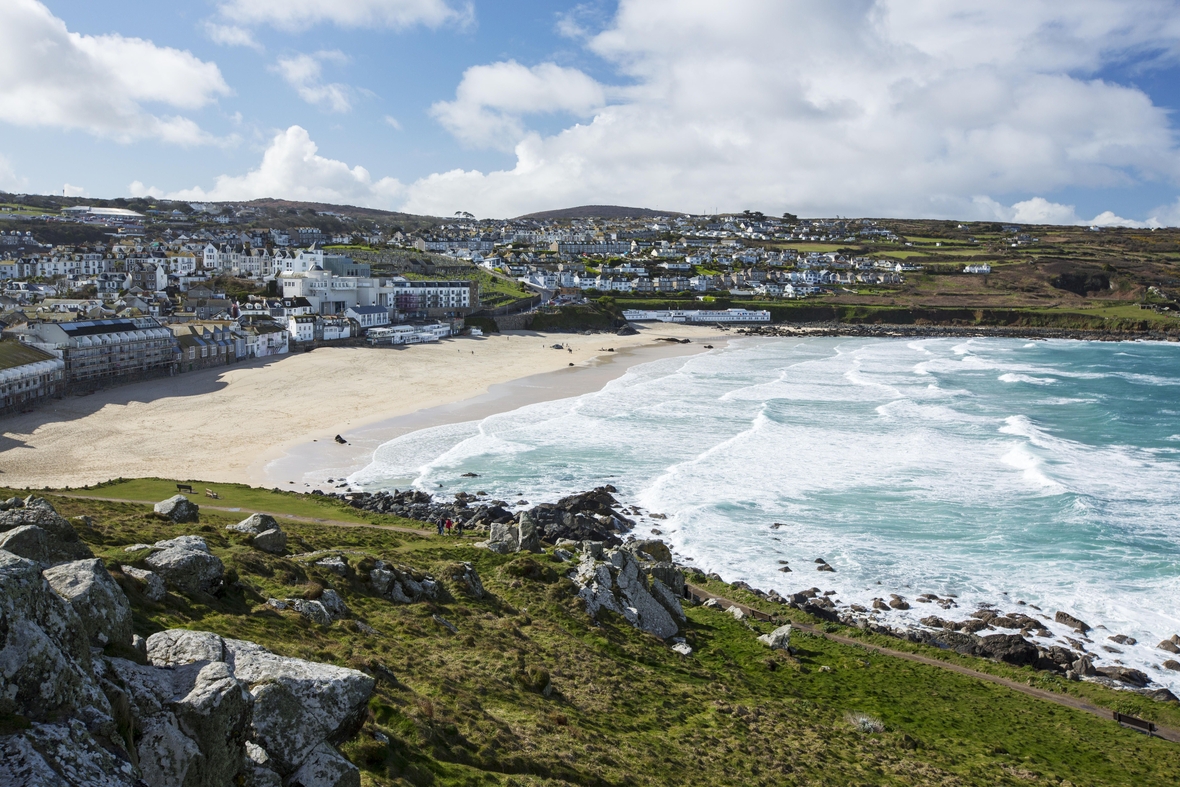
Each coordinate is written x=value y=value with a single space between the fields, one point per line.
x=864 y=722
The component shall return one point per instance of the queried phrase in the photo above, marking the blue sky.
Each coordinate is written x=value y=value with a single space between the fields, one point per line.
x=1026 y=111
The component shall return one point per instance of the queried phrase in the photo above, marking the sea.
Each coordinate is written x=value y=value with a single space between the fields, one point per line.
x=1029 y=476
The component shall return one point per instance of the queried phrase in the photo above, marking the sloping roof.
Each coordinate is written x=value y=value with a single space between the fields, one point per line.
x=13 y=353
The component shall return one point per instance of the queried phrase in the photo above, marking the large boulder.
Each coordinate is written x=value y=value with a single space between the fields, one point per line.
x=324 y=767
x=465 y=577
x=192 y=721
x=45 y=661
x=153 y=584
x=619 y=583
x=298 y=704
x=40 y=755
x=63 y=544
x=779 y=639
x=187 y=565
x=28 y=541
x=1067 y=619
x=273 y=541
x=99 y=602
x=179 y=509
x=254 y=524
x=176 y=647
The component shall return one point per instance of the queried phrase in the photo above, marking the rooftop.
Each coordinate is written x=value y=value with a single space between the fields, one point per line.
x=13 y=353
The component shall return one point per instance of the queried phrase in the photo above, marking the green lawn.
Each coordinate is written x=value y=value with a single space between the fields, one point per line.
x=244 y=497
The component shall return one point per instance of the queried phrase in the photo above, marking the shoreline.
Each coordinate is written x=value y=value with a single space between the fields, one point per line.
x=310 y=464
x=225 y=424
x=886 y=331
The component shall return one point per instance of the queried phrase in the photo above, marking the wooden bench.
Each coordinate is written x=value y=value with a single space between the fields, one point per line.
x=1134 y=723
x=186 y=488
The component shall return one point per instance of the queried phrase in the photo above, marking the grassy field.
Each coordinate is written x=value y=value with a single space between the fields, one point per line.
x=239 y=496
x=467 y=708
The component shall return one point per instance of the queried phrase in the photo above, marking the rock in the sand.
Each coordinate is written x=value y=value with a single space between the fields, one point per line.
x=153 y=584
x=273 y=541
x=1132 y=677
x=254 y=524
x=1066 y=619
x=179 y=509
x=187 y=565
x=96 y=598
x=779 y=639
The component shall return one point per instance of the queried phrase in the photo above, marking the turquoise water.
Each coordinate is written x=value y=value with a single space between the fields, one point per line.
x=995 y=470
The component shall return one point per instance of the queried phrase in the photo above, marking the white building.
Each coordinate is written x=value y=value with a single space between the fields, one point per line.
x=302 y=327
x=983 y=268
x=368 y=316
x=696 y=315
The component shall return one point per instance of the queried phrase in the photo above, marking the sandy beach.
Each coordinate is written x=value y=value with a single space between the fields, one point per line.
x=258 y=421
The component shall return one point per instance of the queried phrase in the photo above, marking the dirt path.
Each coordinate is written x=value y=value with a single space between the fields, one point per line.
x=1167 y=733
x=275 y=514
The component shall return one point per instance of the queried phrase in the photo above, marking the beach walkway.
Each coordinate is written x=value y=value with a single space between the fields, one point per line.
x=1167 y=733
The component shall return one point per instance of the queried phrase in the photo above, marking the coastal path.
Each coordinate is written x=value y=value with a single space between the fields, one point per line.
x=1167 y=733
x=237 y=509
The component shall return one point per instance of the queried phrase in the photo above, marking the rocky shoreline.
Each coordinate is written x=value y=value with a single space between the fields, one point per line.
x=952 y=331
x=595 y=521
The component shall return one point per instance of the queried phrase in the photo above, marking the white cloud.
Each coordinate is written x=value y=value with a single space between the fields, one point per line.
x=1039 y=210
x=9 y=180
x=292 y=168
x=393 y=122
x=305 y=73
x=491 y=100
x=295 y=15
x=50 y=77
x=892 y=107
x=231 y=35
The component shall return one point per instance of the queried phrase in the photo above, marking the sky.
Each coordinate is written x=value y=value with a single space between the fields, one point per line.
x=1015 y=110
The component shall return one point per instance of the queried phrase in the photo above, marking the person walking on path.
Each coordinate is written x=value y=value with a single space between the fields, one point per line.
x=459 y=528
x=440 y=527
x=448 y=526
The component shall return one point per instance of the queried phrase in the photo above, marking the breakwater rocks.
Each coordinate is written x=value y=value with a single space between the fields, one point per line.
x=953 y=331
x=589 y=516
x=85 y=702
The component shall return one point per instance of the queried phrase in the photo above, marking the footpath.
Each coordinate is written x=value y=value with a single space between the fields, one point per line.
x=1167 y=733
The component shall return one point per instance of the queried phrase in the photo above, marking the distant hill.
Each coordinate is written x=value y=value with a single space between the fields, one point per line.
x=599 y=212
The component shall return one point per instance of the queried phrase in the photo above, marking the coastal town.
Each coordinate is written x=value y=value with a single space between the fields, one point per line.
x=99 y=292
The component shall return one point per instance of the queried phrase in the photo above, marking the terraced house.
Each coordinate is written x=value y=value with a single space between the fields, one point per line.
x=99 y=351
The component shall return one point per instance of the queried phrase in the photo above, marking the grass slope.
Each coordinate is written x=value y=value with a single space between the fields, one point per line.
x=467 y=708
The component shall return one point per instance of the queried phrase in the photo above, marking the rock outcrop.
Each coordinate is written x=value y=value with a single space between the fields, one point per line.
x=99 y=602
x=186 y=564
x=779 y=639
x=265 y=533
x=178 y=509
x=646 y=593
x=203 y=712
x=62 y=544
x=401 y=584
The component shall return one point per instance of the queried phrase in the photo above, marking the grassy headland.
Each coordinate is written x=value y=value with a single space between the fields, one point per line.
x=469 y=708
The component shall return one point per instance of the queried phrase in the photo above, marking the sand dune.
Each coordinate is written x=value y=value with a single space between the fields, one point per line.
x=224 y=424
